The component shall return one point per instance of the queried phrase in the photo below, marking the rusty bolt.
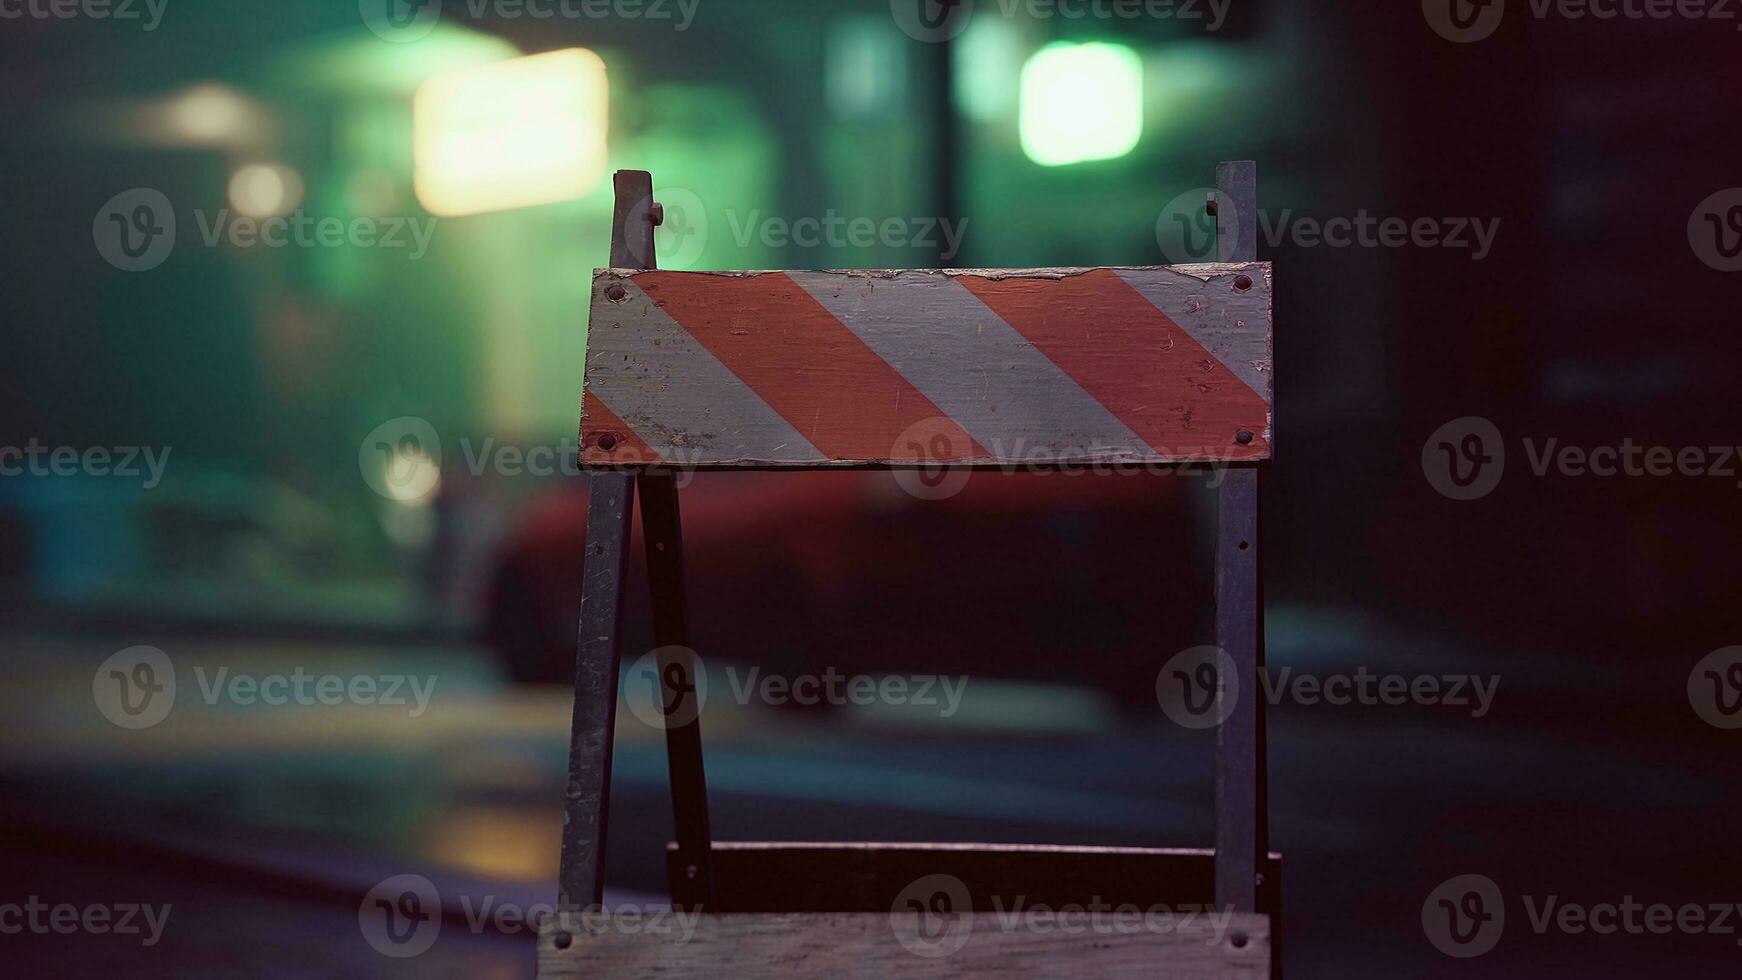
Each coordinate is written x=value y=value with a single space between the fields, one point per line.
x=1243 y=437
x=615 y=293
x=1242 y=282
x=1210 y=205
x=656 y=213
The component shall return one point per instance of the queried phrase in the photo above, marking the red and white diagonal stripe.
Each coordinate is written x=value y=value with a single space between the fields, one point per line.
x=813 y=369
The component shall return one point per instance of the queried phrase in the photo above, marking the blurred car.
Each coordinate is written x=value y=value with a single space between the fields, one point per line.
x=1091 y=579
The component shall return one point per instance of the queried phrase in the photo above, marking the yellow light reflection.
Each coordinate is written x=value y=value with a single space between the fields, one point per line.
x=511 y=134
x=260 y=190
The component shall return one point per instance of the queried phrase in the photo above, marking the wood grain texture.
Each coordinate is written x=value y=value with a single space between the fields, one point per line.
x=873 y=945
x=919 y=368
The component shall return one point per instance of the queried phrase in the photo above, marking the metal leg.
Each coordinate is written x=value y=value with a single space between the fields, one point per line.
x=587 y=803
x=677 y=681
x=1241 y=807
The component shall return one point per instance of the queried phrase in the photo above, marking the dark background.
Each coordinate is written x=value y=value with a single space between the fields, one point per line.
x=1593 y=320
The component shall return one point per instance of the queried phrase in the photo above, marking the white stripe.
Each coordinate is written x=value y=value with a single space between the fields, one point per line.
x=1223 y=328
x=983 y=373
x=673 y=392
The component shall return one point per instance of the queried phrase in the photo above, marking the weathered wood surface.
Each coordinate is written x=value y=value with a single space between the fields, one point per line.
x=902 y=944
x=1160 y=364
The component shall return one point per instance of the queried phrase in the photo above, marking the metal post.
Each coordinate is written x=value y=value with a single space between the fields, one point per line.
x=1241 y=806
x=693 y=867
x=587 y=803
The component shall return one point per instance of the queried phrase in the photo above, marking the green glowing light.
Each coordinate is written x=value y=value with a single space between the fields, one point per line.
x=1081 y=102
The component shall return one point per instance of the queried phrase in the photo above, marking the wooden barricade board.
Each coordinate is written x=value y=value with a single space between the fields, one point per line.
x=1110 y=366
x=901 y=944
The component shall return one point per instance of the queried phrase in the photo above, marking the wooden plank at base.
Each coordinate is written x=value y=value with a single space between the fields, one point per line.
x=920 y=368
x=903 y=944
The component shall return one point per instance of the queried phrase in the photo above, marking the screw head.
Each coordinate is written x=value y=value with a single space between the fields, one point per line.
x=615 y=293
x=607 y=442
x=1210 y=205
x=1243 y=437
x=656 y=214
x=1242 y=282
x=563 y=940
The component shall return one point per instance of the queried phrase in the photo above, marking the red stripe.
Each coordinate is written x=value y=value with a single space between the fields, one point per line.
x=782 y=343
x=599 y=422
x=1159 y=381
